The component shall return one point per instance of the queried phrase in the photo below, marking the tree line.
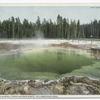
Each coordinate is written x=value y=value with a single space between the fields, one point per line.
x=61 y=28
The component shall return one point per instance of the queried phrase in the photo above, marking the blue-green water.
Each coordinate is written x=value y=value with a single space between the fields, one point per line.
x=45 y=65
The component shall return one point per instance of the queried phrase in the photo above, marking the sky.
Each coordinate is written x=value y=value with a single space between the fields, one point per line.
x=84 y=13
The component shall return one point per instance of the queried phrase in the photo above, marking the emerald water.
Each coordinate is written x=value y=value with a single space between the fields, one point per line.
x=41 y=65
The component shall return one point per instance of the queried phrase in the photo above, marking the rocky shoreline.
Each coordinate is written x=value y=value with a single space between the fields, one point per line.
x=70 y=85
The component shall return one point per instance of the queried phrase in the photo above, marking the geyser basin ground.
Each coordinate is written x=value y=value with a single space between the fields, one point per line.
x=41 y=65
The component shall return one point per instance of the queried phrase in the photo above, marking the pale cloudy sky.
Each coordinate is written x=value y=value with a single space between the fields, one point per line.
x=85 y=14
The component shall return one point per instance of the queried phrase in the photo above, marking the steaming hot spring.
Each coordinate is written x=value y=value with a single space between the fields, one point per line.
x=40 y=59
